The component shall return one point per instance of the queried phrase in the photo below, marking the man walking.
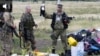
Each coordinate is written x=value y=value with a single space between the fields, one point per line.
x=26 y=27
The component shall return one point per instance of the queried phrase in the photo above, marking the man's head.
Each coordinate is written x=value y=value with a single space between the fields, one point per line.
x=28 y=9
x=6 y=16
x=59 y=7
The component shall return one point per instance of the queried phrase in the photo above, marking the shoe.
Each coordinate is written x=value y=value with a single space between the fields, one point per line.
x=62 y=54
x=67 y=52
x=53 y=51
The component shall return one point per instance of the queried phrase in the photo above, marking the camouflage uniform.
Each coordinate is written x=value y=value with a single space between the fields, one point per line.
x=6 y=40
x=59 y=25
x=26 y=28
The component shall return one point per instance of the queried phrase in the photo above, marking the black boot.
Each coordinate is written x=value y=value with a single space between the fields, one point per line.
x=62 y=54
x=67 y=52
x=53 y=51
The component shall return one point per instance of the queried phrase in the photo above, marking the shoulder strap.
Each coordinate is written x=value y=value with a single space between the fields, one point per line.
x=54 y=13
x=63 y=14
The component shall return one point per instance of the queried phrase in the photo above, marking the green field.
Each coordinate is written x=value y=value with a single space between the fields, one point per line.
x=86 y=16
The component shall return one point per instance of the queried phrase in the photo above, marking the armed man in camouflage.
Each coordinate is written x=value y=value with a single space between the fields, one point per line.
x=26 y=28
x=7 y=34
x=59 y=25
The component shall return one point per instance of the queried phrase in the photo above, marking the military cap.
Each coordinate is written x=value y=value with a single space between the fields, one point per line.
x=59 y=5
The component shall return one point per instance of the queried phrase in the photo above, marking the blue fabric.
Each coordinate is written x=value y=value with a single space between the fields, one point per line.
x=94 y=47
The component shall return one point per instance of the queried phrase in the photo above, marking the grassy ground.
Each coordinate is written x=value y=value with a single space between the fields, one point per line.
x=86 y=16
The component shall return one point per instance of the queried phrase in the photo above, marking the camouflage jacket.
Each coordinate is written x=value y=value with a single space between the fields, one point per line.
x=8 y=26
x=27 y=21
x=8 y=21
x=64 y=19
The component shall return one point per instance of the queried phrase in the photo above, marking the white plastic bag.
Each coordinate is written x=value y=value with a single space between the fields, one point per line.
x=14 y=55
x=78 y=50
x=53 y=55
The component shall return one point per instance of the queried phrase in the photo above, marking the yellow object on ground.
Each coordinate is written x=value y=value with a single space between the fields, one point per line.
x=37 y=53
x=72 y=41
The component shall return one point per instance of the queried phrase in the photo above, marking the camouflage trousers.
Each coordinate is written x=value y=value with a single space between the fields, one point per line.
x=29 y=39
x=55 y=35
x=6 y=44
